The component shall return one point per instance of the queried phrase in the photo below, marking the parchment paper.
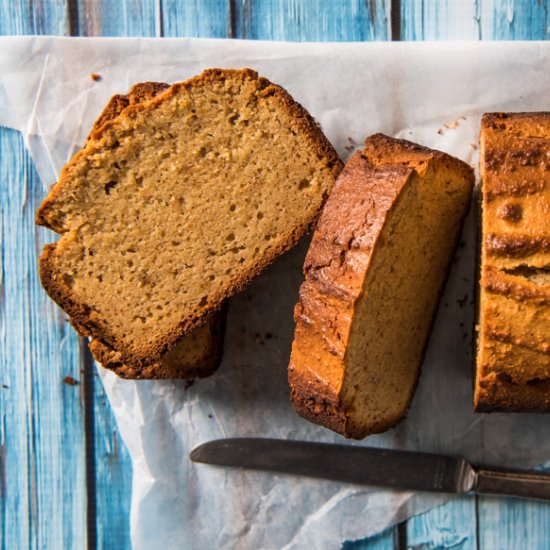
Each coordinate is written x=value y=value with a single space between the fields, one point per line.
x=432 y=93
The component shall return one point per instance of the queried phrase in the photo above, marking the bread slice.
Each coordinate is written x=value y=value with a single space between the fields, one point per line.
x=198 y=354
x=174 y=205
x=513 y=344
x=374 y=272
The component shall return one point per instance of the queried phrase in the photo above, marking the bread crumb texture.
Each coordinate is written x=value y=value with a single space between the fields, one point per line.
x=196 y=355
x=176 y=203
x=374 y=272
x=513 y=343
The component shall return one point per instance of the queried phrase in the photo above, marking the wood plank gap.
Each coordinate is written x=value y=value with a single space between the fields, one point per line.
x=400 y=542
x=395 y=20
x=89 y=429
x=232 y=31
x=160 y=18
x=72 y=18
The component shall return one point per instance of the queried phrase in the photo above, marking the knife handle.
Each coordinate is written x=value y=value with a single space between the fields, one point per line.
x=513 y=483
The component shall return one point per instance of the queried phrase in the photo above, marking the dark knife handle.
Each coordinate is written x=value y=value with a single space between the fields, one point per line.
x=513 y=483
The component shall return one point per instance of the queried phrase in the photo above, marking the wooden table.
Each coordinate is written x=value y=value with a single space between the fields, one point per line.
x=65 y=476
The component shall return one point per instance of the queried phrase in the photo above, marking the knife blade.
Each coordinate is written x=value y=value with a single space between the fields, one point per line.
x=400 y=470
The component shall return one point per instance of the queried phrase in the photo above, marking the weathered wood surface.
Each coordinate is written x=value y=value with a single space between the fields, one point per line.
x=53 y=495
x=42 y=436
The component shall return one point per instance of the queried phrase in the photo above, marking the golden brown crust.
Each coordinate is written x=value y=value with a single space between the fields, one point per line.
x=497 y=394
x=513 y=348
x=317 y=403
x=197 y=355
x=381 y=149
x=139 y=93
x=338 y=258
x=98 y=327
x=515 y=284
x=519 y=246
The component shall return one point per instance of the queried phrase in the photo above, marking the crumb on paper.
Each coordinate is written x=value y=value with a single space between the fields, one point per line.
x=451 y=126
x=473 y=146
x=462 y=302
x=70 y=381
x=95 y=77
x=351 y=144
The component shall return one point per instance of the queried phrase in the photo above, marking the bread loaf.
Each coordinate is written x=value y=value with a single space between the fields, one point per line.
x=175 y=204
x=374 y=272
x=513 y=344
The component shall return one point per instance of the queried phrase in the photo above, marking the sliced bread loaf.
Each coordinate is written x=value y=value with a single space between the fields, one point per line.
x=374 y=272
x=196 y=355
x=175 y=204
x=513 y=346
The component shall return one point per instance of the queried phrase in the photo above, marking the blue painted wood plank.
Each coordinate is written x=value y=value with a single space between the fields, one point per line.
x=196 y=18
x=475 y=20
x=515 y=20
x=42 y=449
x=440 y=20
x=118 y=18
x=43 y=465
x=450 y=526
x=387 y=540
x=113 y=477
x=311 y=20
x=36 y=17
x=508 y=524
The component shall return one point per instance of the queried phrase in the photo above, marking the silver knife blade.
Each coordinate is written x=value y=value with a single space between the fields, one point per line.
x=404 y=470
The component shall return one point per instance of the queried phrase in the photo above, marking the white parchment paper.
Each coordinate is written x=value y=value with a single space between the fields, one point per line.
x=432 y=93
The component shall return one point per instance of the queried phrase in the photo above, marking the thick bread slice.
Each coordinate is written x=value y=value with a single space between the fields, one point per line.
x=513 y=344
x=177 y=203
x=374 y=272
x=196 y=355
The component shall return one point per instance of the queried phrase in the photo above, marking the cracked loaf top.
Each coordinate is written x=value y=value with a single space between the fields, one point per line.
x=513 y=356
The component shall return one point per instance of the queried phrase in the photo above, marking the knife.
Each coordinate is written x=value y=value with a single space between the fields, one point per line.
x=401 y=470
